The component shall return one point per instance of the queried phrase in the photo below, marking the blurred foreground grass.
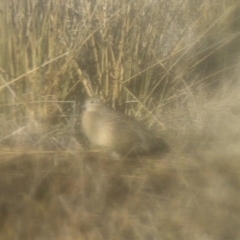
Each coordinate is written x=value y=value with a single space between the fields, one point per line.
x=80 y=196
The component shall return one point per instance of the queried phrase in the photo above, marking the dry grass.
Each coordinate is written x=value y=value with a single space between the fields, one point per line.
x=174 y=65
x=71 y=195
x=190 y=193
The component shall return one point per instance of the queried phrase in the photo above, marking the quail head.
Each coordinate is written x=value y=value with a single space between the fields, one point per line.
x=115 y=132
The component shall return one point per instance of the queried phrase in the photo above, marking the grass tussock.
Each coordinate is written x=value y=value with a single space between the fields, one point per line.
x=173 y=65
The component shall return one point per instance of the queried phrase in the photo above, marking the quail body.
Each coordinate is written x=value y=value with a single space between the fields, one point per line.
x=115 y=132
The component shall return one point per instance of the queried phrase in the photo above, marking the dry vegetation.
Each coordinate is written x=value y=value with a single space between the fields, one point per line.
x=176 y=62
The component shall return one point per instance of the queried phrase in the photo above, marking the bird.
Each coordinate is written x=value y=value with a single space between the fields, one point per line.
x=117 y=133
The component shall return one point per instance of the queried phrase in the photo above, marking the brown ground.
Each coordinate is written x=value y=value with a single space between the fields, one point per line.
x=77 y=195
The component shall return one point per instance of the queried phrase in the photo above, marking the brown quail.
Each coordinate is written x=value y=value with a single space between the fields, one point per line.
x=115 y=132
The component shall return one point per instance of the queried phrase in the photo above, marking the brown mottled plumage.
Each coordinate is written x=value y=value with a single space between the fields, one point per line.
x=117 y=133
